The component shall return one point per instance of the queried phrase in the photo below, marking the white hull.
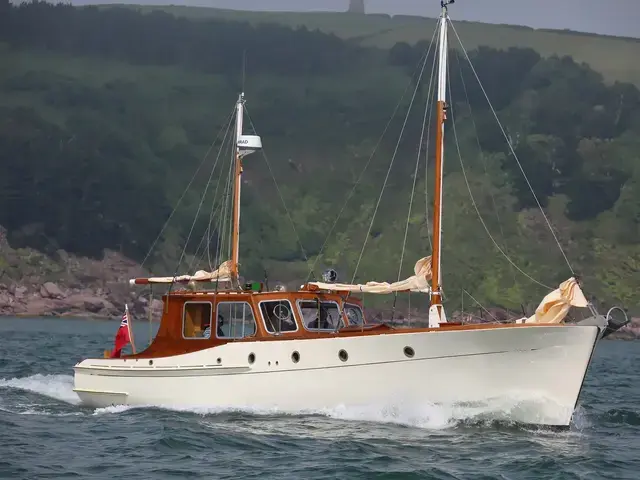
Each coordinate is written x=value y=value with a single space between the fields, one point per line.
x=449 y=367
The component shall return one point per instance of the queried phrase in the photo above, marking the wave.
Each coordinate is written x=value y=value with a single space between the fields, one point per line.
x=59 y=387
x=424 y=415
x=113 y=409
x=622 y=416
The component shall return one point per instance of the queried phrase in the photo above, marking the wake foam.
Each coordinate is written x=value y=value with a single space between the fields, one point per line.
x=504 y=410
x=113 y=409
x=59 y=387
x=510 y=410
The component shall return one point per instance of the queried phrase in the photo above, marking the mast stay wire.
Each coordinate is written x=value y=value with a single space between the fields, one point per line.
x=428 y=110
x=473 y=201
x=393 y=157
x=209 y=233
x=566 y=259
x=484 y=163
x=217 y=206
x=204 y=159
x=284 y=204
x=195 y=219
x=375 y=150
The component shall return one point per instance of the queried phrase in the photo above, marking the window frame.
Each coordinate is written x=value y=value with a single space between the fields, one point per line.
x=184 y=311
x=304 y=325
x=255 y=323
x=264 y=320
x=354 y=305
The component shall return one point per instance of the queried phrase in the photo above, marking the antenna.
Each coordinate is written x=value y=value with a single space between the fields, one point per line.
x=244 y=67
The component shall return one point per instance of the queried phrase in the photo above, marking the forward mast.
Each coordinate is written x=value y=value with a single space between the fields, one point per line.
x=436 y=311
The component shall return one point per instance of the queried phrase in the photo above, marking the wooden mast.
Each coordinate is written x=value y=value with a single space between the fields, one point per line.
x=436 y=312
x=235 y=236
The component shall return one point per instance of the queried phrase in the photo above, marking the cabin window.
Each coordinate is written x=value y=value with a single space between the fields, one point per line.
x=319 y=315
x=235 y=320
x=196 y=320
x=354 y=314
x=278 y=316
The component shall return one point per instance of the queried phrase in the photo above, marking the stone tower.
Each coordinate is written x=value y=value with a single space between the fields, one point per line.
x=356 y=6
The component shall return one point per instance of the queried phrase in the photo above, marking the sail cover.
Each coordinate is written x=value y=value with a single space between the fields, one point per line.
x=222 y=274
x=555 y=306
x=416 y=283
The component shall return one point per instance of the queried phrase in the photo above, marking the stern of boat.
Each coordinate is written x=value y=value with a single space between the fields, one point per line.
x=87 y=385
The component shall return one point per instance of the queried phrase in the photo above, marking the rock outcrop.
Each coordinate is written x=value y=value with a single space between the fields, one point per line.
x=34 y=284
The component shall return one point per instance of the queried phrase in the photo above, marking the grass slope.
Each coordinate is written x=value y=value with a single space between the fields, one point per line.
x=319 y=131
x=606 y=54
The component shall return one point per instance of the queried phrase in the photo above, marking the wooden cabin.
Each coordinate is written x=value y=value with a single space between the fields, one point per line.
x=196 y=320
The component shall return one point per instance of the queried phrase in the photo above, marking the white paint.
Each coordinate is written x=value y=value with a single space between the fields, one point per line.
x=443 y=57
x=448 y=367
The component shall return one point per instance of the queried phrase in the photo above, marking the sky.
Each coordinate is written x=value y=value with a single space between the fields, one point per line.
x=609 y=17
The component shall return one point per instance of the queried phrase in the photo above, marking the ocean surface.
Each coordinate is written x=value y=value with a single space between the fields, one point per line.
x=44 y=433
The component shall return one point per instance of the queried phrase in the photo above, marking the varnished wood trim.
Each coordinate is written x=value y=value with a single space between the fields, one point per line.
x=235 y=252
x=436 y=297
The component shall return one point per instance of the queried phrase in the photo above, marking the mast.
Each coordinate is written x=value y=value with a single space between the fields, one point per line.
x=436 y=312
x=245 y=145
x=235 y=248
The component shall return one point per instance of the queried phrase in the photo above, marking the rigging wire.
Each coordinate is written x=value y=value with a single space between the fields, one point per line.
x=186 y=243
x=393 y=157
x=284 y=204
x=427 y=111
x=225 y=201
x=566 y=259
x=204 y=159
x=226 y=220
x=473 y=201
x=481 y=306
x=209 y=232
x=426 y=168
x=214 y=210
x=198 y=256
x=484 y=162
x=375 y=150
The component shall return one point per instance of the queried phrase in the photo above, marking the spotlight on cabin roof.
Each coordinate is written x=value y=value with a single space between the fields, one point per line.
x=253 y=287
x=330 y=276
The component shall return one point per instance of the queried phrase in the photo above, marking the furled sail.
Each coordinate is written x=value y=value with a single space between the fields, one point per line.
x=416 y=283
x=222 y=274
x=555 y=306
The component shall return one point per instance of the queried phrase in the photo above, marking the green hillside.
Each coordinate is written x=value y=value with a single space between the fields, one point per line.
x=605 y=54
x=105 y=114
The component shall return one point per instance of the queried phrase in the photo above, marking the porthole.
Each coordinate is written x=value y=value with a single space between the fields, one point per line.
x=150 y=362
x=409 y=352
x=252 y=358
x=343 y=355
x=219 y=360
x=295 y=357
x=277 y=362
